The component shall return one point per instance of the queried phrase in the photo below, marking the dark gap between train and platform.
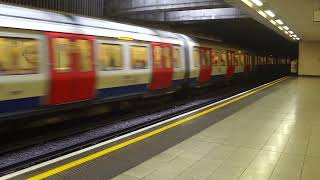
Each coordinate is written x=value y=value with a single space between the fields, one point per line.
x=49 y=148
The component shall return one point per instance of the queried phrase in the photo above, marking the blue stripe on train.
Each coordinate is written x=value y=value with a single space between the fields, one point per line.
x=218 y=78
x=193 y=81
x=238 y=75
x=177 y=82
x=123 y=90
x=19 y=104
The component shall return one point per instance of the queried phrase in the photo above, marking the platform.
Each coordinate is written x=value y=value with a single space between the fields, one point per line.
x=270 y=134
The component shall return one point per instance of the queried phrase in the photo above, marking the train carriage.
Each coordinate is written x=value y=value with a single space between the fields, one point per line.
x=50 y=59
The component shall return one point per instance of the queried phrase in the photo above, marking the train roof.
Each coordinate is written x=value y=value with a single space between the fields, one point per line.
x=32 y=19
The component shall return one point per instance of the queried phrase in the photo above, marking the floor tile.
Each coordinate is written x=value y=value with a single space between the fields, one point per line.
x=125 y=177
x=139 y=171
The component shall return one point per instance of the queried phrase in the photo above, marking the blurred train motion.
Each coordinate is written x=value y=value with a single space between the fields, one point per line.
x=49 y=59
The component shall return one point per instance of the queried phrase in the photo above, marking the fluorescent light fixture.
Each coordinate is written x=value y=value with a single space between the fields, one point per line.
x=290 y=35
x=286 y=28
x=279 y=21
x=247 y=2
x=262 y=14
x=291 y=32
x=281 y=28
x=270 y=13
x=286 y=32
x=257 y=2
x=273 y=22
x=295 y=36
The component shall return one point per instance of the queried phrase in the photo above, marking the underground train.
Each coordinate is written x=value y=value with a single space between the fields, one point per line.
x=49 y=59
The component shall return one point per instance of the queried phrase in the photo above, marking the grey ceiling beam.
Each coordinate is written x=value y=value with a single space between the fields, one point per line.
x=117 y=7
x=193 y=15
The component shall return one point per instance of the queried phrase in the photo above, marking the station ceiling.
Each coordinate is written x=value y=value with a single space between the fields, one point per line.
x=299 y=15
x=223 y=20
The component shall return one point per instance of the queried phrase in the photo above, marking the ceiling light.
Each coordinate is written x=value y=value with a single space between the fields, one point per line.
x=257 y=2
x=290 y=35
x=297 y=38
x=286 y=32
x=295 y=35
x=279 y=21
x=280 y=28
x=262 y=14
x=273 y=22
x=291 y=32
x=270 y=13
x=247 y=2
x=286 y=28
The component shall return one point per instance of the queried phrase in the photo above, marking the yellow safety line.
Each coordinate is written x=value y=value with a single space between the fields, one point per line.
x=144 y=136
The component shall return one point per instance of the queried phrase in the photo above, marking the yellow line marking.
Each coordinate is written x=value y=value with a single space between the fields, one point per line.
x=144 y=136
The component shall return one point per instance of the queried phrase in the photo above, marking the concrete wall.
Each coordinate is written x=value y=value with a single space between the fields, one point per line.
x=309 y=58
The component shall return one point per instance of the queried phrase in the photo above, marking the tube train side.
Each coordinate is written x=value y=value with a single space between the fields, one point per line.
x=49 y=59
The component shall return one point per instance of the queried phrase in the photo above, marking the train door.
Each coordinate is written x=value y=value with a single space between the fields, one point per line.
x=246 y=63
x=162 y=71
x=231 y=63
x=72 y=69
x=205 y=65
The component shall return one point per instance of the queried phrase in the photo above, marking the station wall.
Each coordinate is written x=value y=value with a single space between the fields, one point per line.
x=309 y=58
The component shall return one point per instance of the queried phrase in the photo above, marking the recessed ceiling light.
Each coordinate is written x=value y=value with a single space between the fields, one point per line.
x=280 y=28
x=273 y=22
x=291 y=32
x=257 y=2
x=290 y=35
x=297 y=38
x=270 y=13
x=286 y=28
x=247 y=2
x=286 y=32
x=279 y=21
x=295 y=35
x=262 y=14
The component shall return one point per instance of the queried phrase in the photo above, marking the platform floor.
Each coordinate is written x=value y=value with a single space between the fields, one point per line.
x=277 y=137
x=271 y=135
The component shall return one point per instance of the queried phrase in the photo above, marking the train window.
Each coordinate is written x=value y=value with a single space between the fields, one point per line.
x=110 y=56
x=223 y=60
x=229 y=59
x=237 y=59
x=196 y=57
x=167 y=57
x=207 y=58
x=139 y=57
x=157 y=62
x=245 y=59
x=176 y=57
x=242 y=59
x=84 y=48
x=18 y=56
x=215 y=58
x=61 y=51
